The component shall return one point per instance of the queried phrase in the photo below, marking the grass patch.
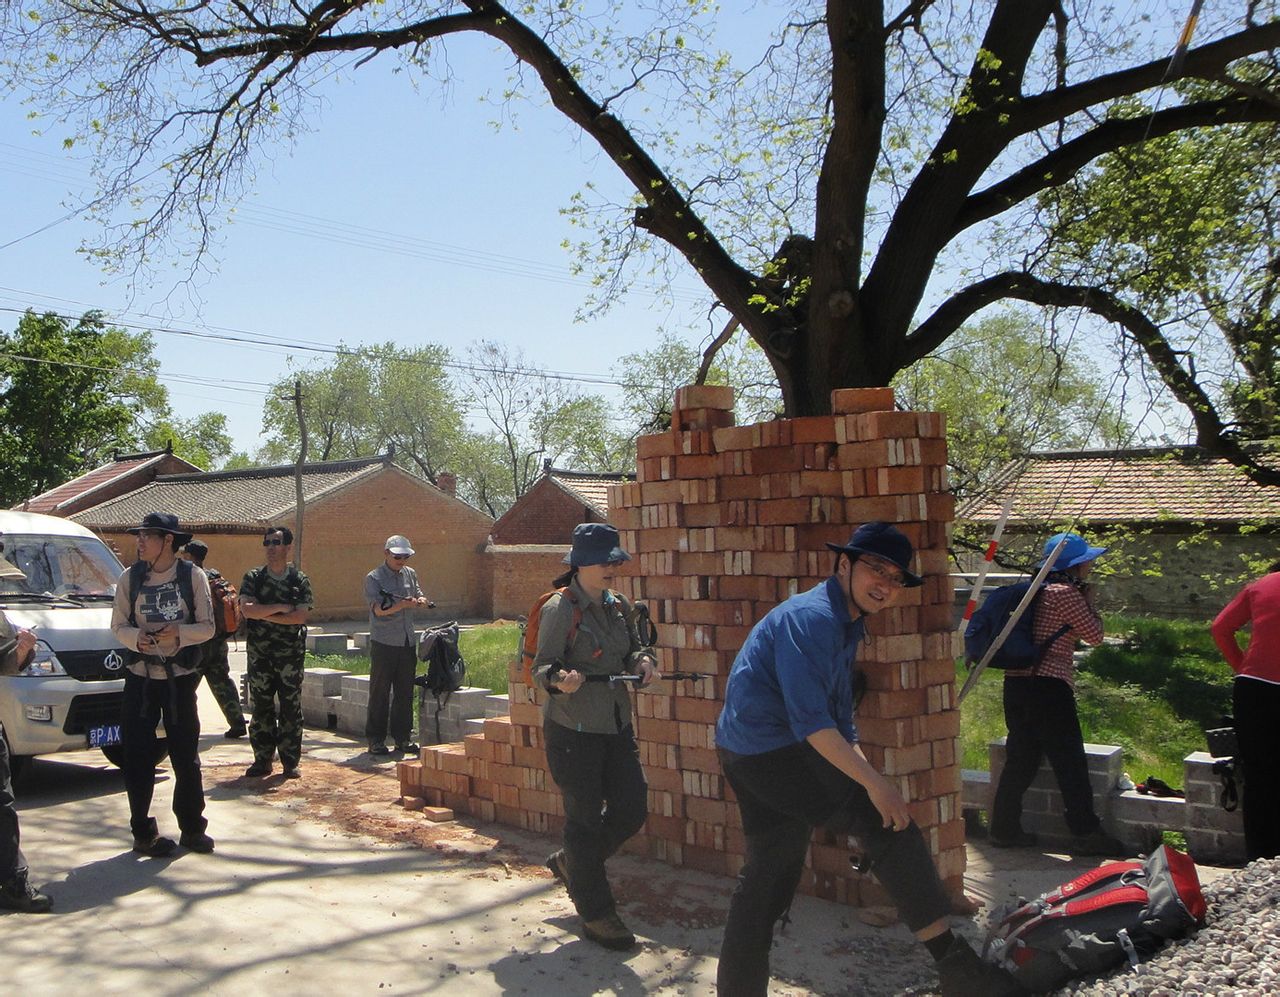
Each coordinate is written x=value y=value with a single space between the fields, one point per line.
x=1152 y=694
x=487 y=650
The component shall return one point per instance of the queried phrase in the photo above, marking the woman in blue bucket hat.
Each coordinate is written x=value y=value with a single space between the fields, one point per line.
x=1040 y=706
x=586 y=629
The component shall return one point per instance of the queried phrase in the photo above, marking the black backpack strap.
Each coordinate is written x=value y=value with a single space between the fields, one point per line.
x=137 y=572
x=187 y=588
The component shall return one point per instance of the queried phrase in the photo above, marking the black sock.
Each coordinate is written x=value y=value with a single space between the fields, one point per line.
x=938 y=944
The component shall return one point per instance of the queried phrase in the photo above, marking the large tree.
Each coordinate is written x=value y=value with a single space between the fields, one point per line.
x=836 y=196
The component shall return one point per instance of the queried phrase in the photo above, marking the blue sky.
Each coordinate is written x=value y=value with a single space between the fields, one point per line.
x=395 y=218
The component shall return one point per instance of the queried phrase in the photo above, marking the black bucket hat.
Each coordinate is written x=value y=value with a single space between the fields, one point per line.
x=164 y=522
x=885 y=541
x=595 y=543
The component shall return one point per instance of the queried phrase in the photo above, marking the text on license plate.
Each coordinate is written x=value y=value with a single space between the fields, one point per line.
x=104 y=735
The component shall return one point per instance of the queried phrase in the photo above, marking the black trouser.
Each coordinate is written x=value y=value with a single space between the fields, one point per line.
x=1040 y=714
x=390 y=680
x=1257 y=711
x=12 y=862
x=783 y=796
x=605 y=803
x=145 y=701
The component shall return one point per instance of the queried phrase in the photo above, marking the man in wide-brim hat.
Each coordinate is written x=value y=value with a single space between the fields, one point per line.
x=162 y=611
x=789 y=747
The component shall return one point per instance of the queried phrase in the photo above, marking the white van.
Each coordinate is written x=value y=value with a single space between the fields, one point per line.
x=69 y=697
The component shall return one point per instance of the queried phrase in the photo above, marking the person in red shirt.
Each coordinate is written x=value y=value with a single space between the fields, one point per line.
x=1040 y=707
x=1256 y=701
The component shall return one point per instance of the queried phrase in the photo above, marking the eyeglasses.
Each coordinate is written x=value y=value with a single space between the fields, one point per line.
x=885 y=573
x=152 y=534
x=400 y=557
x=274 y=542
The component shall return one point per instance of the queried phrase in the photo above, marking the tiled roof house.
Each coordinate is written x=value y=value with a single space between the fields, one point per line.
x=351 y=507
x=1186 y=528
x=530 y=540
x=124 y=473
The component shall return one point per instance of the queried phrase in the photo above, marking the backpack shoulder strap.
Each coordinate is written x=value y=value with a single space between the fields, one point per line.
x=137 y=572
x=187 y=588
x=568 y=593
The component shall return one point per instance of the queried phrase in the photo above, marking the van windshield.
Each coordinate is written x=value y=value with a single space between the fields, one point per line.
x=78 y=567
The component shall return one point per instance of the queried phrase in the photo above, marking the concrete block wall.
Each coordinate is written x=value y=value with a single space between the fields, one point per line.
x=454 y=711
x=724 y=522
x=320 y=689
x=1213 y=835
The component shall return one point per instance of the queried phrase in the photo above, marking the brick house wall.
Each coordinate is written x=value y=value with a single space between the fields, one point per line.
x=723 y=523
x=343 y=540
x=521 y=573
x=545 y=514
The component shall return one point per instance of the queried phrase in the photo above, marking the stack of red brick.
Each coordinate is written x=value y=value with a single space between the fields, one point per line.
x=723 y=523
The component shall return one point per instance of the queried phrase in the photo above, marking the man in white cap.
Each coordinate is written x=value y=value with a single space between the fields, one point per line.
x=393 y=593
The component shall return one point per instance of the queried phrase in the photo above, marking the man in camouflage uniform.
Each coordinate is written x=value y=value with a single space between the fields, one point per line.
x=214 y=665
x=276 y=599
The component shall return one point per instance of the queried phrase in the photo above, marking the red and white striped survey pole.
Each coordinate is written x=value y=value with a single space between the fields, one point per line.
x=992 y=546
x=1012 y=622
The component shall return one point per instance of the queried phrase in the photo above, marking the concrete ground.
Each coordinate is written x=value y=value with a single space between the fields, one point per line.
x=325 y=885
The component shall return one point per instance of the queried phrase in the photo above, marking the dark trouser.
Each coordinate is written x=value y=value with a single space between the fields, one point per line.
x=145 y=701
x=1040 y=714
x=272 y=729
x=605 y=803
x=12 y=862
x=1257 y=711
x=783 y=796
x=216 y=670
x=390 y=680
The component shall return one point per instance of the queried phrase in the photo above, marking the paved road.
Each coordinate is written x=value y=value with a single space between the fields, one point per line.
x=292 y=902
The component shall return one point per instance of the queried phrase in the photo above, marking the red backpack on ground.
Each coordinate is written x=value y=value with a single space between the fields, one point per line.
x=1119 y=911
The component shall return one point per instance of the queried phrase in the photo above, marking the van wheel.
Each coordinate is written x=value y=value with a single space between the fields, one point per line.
x=115 y=753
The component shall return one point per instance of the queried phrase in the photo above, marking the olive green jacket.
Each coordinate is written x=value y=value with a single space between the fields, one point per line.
x=606 y=644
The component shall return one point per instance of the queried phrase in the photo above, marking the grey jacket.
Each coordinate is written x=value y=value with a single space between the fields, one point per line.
x=606 y=644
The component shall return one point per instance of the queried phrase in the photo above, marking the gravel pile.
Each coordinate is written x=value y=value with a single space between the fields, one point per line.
x=1236 y=953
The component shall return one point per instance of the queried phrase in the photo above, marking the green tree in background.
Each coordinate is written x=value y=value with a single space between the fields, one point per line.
x=72 y=392
x=1007 y=390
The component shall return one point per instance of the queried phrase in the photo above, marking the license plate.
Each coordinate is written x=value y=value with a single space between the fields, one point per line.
x=104 y=735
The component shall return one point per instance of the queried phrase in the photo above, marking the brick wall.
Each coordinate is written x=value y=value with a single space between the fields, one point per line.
x=545 y=514
x=520 y=574
x=343 y=540
x=724 y=522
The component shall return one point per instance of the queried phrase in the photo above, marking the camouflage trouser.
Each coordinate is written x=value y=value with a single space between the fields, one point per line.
x=272 y=679
x=217 y=672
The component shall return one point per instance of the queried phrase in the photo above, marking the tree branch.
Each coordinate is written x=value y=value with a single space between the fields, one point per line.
x=1211 y=434
x=1064 y=162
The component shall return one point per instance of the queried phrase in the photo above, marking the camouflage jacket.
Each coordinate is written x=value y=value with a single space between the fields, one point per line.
x=263 y=638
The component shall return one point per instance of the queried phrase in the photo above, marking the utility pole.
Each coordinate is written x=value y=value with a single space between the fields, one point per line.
x=299 y=504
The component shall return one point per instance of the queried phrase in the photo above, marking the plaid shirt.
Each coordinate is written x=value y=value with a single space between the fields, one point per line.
x=1062 y=603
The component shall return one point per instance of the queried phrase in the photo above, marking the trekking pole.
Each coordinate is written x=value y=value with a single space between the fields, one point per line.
x=1012 y=622
x=670 y=676
x=987 y=560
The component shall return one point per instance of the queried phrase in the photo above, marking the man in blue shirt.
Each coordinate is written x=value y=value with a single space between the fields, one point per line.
x=789 y=748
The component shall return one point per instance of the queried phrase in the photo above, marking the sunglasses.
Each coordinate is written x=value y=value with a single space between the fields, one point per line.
x=274 y=542
x=400 y=557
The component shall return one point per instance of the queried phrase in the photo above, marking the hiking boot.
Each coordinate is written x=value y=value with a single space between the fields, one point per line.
x=291 y=772
x=153 y=844
x=1019 y=839
x=559 y=867
x=407 y=748
x=1097 y=843
x=257 y=770
x=236 y=731
x=196 y=841
x=378 y=748
x=18 y=894
x=964 y=974
x=609 y=931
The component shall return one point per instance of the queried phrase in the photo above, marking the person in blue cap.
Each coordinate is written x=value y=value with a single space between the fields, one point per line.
x=588 y=630
x=787 y=740
x=1040 y=706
